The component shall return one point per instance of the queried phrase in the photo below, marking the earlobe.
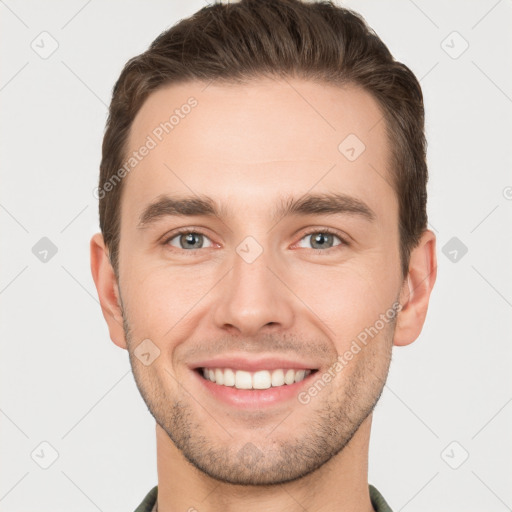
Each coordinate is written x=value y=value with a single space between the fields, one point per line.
x=416 y=289
x=107 y=288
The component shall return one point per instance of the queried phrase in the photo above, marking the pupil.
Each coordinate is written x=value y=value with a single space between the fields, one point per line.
x=190 y=239
x=321 y=238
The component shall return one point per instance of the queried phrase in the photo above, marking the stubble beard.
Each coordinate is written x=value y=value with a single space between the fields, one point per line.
x=281 y=456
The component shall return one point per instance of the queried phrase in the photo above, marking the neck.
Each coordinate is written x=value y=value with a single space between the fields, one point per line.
x=339 y=485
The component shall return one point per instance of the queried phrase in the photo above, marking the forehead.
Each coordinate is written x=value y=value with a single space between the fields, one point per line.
x=245 y=144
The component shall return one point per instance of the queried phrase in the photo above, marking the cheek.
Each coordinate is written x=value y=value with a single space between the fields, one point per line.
x=160 y=299
x=347 y=299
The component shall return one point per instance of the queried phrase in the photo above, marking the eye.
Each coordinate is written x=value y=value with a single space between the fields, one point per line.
x=322 y=240
x=188 y=240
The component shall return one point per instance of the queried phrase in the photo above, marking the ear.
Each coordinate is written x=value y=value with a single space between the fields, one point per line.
x=108 y=291
x=415 y=293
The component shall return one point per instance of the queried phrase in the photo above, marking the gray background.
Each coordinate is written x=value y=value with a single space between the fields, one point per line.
x=63 y=382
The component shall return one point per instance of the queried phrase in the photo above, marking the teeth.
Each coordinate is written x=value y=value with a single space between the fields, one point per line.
x=262 y=379
x=229 y=377
x=243 y=380
x=300 y=375
x=289 y=377
x=219 y=376
x=277 y=378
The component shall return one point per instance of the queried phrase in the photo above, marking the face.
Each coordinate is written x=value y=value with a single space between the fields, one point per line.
x=258 y=244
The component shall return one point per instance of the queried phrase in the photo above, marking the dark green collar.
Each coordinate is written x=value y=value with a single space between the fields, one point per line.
x=378 y=502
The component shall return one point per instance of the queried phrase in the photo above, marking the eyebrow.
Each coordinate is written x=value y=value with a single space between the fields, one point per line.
x=307 y=205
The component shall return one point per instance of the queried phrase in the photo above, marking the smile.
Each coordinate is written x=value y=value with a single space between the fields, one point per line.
x=261 y=379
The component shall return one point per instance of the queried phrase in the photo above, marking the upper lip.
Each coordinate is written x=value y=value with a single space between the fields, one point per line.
x=254 y=363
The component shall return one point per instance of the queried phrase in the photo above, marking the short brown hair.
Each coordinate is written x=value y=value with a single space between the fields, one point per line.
x=236 y=42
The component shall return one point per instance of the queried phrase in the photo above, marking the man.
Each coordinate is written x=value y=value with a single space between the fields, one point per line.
x=263 y=247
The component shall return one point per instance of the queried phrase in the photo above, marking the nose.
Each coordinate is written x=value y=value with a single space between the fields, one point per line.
x=253 y=297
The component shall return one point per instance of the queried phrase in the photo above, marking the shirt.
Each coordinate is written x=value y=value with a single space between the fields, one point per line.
x=378 y=502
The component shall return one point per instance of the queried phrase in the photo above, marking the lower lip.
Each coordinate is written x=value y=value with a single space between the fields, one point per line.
x=253 y=398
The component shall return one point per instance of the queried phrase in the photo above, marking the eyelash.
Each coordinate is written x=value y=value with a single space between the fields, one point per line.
x=328 y=231
x=187 y=231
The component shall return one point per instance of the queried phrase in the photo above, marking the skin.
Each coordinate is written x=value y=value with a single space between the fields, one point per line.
x=247 y=146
